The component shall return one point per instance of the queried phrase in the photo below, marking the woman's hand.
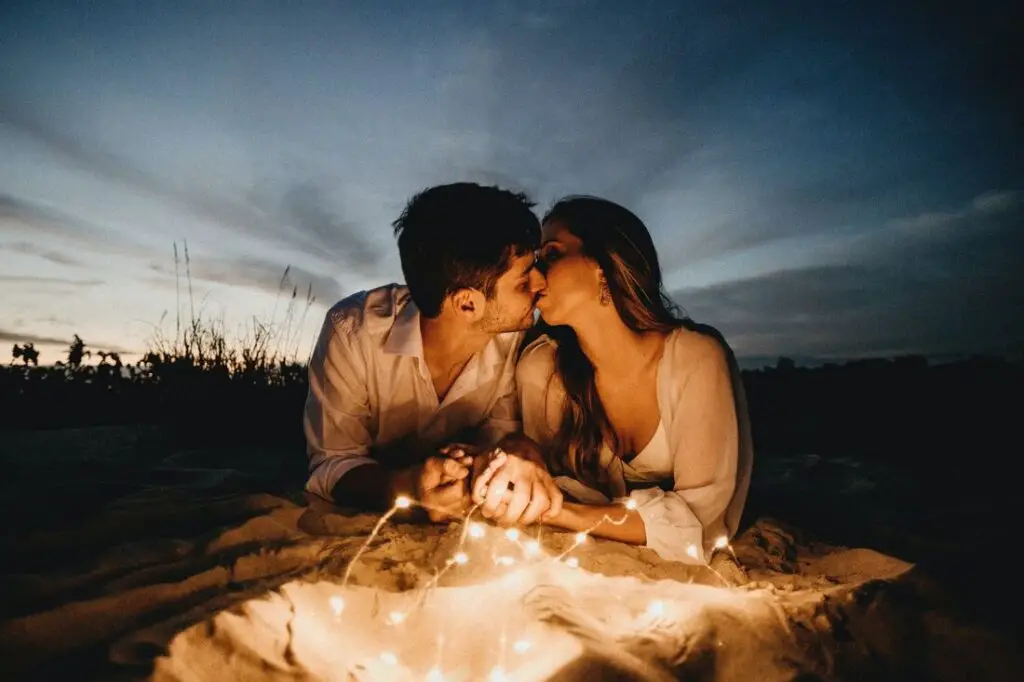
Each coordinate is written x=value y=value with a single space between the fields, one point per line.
x=533 y=495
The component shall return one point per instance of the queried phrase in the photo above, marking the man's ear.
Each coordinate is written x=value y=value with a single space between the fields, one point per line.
x=468 y=303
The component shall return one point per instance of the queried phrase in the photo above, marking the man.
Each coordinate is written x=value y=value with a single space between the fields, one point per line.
x=400 y=373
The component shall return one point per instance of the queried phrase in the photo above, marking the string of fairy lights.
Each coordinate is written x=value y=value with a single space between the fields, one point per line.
x=531 y=549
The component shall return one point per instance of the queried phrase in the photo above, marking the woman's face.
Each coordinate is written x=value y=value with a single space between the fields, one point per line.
x=573 y=280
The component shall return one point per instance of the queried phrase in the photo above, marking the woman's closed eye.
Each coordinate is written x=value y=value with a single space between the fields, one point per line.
x=547 y=256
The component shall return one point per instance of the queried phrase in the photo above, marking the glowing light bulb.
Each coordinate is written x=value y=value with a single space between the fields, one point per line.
x=581 y=537
x=691 y=550
x=389 y=658
x=631 y=504
x=572 y=562
x=337 y=605
x=497 y=675
x=504 y=560
x=476 y=530
x=722 y=542
x=460 y=558
x=656 y=608
x=532 y=547
x=396 y=617
x=512 y=534
x=403 y=502
x=435 y=675
x=522 y=646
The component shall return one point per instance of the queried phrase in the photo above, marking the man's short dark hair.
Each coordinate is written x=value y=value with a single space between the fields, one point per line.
x=462 y=236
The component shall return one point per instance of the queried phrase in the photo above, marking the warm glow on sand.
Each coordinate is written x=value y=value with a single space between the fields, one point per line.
x=517 y=623
x=498 y=629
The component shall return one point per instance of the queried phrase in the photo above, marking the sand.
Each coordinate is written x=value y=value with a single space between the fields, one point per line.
x=187 y=571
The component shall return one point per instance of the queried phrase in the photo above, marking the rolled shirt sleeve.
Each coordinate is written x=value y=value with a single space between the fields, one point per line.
x=337 y=412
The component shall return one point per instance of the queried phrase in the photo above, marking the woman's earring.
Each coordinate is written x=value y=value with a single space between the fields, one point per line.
x=604 y=294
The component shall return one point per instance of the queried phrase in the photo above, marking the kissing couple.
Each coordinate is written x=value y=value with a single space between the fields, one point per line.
x=452 y=391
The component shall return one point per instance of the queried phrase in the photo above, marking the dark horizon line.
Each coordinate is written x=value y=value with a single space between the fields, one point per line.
x=745 y=362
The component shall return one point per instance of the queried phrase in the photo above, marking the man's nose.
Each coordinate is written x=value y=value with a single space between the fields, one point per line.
x=537 y=281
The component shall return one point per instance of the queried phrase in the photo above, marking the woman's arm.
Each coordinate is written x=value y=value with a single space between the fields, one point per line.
x=610 y=521
x=685 y=523
x=681 y=524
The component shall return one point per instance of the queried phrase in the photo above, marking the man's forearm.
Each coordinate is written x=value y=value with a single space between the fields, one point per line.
x=371 y=486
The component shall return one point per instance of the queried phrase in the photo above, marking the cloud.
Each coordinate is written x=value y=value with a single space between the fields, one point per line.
x=88 y=156
x=854 y=311
x=993 y=203
x=8 y=336
x=52 y=255
x=23 y=218
x=43 y=340
x=267 y=276
x=299 y=214
x=320 y=230
x=957 y=289
x=43 y=281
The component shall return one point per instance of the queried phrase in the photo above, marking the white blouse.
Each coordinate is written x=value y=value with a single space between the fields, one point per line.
x=703 y=409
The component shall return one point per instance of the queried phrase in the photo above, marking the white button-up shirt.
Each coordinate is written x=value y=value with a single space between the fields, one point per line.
x=371 y=398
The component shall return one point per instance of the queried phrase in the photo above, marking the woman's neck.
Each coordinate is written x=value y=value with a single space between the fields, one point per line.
x=611 y=346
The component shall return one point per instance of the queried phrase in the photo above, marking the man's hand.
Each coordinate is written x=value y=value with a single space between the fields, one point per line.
x=442 y=487
x=533 y=495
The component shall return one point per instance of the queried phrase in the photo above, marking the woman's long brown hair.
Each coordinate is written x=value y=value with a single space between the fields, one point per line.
x=621 y=245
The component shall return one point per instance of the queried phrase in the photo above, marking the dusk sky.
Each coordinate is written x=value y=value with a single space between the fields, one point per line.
x=822 y=179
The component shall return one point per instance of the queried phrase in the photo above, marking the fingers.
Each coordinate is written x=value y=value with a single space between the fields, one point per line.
x=539 y=504
x=429 y=476
x=453 y=470
x=513 y=510
x=458 y=452
x=483 y=480
x=555 y=499
x=496 y=490
x=436 y=471
x=446 y=501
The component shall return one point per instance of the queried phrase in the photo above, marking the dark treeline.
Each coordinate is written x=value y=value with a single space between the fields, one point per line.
x=902 y=409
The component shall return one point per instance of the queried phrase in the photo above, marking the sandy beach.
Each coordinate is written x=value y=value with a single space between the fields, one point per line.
x=208 y=565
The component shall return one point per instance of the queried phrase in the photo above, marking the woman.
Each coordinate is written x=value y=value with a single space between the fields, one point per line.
x=626 y=400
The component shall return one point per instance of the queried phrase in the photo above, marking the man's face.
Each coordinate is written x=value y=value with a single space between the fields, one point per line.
x=515 y=293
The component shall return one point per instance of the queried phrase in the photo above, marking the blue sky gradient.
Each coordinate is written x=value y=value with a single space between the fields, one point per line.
x=823 y=179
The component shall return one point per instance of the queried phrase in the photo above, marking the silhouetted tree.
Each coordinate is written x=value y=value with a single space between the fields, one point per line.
x=785 y=365
x=76 y=352
x=27 y=353
x=113 y=357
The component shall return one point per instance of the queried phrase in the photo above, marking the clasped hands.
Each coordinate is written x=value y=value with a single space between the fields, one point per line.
x=510 y=483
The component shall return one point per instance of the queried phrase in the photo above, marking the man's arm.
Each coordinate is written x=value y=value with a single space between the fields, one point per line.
x=337 y=416
x=372 y=486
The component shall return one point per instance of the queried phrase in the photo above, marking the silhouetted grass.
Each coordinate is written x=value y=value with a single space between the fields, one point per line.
x=208 y=389
x=201 y=384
